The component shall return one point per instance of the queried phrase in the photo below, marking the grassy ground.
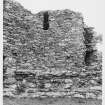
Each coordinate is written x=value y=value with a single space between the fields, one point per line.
x=51 y=101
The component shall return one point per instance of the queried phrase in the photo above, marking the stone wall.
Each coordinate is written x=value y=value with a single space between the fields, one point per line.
x=50 y=62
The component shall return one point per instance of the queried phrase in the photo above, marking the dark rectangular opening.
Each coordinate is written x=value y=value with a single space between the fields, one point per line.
x=46 y=21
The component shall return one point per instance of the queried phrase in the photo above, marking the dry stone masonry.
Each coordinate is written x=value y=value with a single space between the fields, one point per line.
x=49 y=54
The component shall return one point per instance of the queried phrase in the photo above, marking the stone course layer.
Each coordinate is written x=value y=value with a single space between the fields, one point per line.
x=47 y=62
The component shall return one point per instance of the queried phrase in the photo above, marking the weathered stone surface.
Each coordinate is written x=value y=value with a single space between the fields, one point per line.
x=42 y=63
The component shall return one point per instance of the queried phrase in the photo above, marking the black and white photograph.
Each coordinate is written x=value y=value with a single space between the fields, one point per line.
x=52 y=52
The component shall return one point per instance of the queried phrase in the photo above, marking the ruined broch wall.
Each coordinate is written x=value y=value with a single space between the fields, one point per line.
x=45 y=54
